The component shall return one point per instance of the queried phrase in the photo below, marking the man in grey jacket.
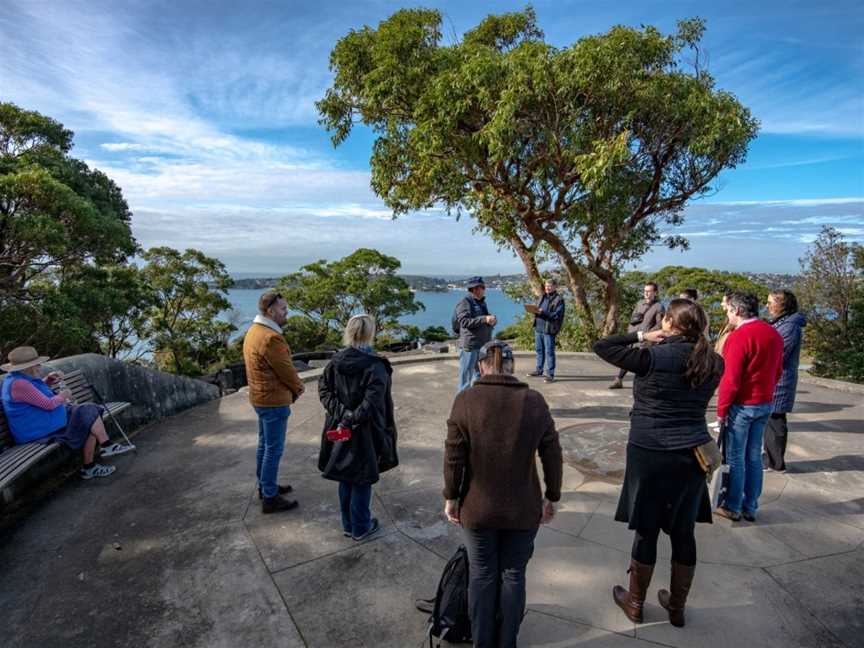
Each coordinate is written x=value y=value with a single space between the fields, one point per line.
x=475 y=329
x=647 y=316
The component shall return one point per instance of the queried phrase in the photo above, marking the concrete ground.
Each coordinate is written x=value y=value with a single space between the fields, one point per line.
x=174 y=551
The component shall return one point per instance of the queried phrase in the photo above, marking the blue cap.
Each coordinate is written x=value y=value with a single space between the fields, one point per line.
x=473 y=282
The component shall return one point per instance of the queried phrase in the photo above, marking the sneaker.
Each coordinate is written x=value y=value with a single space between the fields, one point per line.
x=549 y=379
x=372 y=529
x=282 y=490
x=96 y=470
x=116 y=449
x=617 y=384
x=277 y=504
x=729 y=515
x=534 y=374
x=347 y=534
x=747 y=515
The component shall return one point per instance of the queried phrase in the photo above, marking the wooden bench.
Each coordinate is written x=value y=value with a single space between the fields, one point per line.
x=17 y=460
x=84 y=392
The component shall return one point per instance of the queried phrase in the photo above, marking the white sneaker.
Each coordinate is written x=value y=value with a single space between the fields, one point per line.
x=98 y=470
x=116 y=449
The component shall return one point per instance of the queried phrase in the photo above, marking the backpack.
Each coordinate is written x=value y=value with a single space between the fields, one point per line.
x=450 y=619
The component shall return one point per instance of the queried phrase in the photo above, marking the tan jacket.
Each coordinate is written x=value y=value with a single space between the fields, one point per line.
x=273 y=380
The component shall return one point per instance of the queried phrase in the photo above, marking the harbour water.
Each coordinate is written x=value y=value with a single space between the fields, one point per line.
x=439 y=308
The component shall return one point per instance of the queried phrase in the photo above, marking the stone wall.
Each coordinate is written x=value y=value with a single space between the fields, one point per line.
x=153 y=394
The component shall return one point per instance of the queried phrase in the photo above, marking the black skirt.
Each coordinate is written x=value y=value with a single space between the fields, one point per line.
x=663 y=489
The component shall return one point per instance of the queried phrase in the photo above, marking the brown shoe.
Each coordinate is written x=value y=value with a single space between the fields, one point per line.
x=632 y=601
x=673 y=601
x=729 y=515
x=277 y=504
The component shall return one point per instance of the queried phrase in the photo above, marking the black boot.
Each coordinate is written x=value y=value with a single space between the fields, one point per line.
x=283 y=490
x=277 y=504
x=674 y=599
x=632 y=600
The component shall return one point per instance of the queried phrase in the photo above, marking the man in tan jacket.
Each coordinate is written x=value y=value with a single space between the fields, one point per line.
x=273 y=386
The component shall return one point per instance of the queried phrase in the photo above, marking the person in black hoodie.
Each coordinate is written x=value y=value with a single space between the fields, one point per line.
x=355 y=390
x=664 y=486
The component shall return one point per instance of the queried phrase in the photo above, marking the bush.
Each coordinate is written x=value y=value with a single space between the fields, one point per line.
x=435 y=334
x=572 y=336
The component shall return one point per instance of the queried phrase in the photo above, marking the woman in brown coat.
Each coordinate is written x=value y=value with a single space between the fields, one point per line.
x=491 y=487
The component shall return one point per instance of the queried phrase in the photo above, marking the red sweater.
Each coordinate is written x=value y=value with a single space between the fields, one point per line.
x=754 y=362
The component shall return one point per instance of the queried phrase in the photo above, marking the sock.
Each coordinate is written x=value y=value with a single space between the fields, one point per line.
x=88 y=466
x=105 y=444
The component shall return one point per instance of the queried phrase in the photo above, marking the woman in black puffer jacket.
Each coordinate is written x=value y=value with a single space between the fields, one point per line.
x=664 y=486
x=355 y=390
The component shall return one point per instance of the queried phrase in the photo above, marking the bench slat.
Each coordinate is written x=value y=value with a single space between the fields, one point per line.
x=117 y=407
x=21 y=458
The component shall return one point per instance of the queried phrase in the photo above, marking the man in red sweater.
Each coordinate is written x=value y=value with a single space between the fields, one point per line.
x=754 y=362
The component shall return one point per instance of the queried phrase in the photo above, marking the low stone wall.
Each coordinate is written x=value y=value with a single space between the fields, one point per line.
x=153 y=394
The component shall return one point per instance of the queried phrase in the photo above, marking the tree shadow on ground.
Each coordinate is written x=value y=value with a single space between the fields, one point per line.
x=840 y=426
x=613 y=413
x=809 y=407
x=840 y=463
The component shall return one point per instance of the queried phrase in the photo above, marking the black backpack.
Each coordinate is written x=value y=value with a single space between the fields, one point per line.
x=450 y=619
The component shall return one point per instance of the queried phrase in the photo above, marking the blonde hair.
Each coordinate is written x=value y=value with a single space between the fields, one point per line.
x=359 y=331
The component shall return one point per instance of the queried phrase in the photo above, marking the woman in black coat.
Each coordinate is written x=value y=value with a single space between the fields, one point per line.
x=664 y=485
x=355 y=390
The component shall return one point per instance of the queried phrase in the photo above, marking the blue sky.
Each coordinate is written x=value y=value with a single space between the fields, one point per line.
x=203 y=112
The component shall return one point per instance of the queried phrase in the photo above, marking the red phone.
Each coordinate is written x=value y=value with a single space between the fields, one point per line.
x=341 y=433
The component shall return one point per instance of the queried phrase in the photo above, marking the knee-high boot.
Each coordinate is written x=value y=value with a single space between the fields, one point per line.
x=631 y=601
x=675 y=598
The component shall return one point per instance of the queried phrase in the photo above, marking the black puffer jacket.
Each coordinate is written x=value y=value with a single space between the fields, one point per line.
x=355 y=389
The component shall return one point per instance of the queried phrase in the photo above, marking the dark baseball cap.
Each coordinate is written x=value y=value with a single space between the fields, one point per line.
x=506 y=351
x=474 y=282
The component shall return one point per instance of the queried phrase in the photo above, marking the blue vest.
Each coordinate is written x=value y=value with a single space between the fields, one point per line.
x=26 y=422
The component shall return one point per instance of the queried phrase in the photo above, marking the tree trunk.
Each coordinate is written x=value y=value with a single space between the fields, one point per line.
x=610 y=320
x=527 y=255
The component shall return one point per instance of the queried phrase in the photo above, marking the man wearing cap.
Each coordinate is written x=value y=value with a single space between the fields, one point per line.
x=475 y=326
x=36 y=414
x=274 y=386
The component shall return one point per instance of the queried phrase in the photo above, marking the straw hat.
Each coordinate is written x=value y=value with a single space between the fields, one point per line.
x=21 y=358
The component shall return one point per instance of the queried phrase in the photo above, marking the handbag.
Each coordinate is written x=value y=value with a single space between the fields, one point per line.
x=709 y=457
x=719 y=480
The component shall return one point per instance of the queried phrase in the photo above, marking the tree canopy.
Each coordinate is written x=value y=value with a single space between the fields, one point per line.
x=330 y=293
x=589 y=149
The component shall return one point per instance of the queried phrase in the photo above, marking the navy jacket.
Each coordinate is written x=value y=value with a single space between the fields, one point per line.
x=791 y=328
x=551 y=317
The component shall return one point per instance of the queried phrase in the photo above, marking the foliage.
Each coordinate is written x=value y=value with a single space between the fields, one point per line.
x=56 y=214
x=588 y=149
x=330 y=293
x=182 y=324
x=435 y=334
x=831 y=291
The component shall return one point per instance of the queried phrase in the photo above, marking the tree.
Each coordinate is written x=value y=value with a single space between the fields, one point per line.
x=56 y=214
x=330 y=293
x=831 y=290
x=182 y=325
x=588 y=149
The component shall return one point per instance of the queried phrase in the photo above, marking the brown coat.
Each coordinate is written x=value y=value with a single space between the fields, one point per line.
x=495 y=431
x=273 y=380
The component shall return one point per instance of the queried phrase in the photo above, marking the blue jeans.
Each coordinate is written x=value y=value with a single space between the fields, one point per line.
x=469 y=371
x=544 y=345
x=496 y=583
x=272 y=425
x=745 y=425
x=355 y=501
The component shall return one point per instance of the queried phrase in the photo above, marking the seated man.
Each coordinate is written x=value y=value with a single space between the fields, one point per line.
x=35 y=413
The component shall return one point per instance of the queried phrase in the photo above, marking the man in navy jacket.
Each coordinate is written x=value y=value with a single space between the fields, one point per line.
x=547 y=324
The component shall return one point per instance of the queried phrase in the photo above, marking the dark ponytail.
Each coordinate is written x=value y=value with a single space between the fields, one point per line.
x=703 y=364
